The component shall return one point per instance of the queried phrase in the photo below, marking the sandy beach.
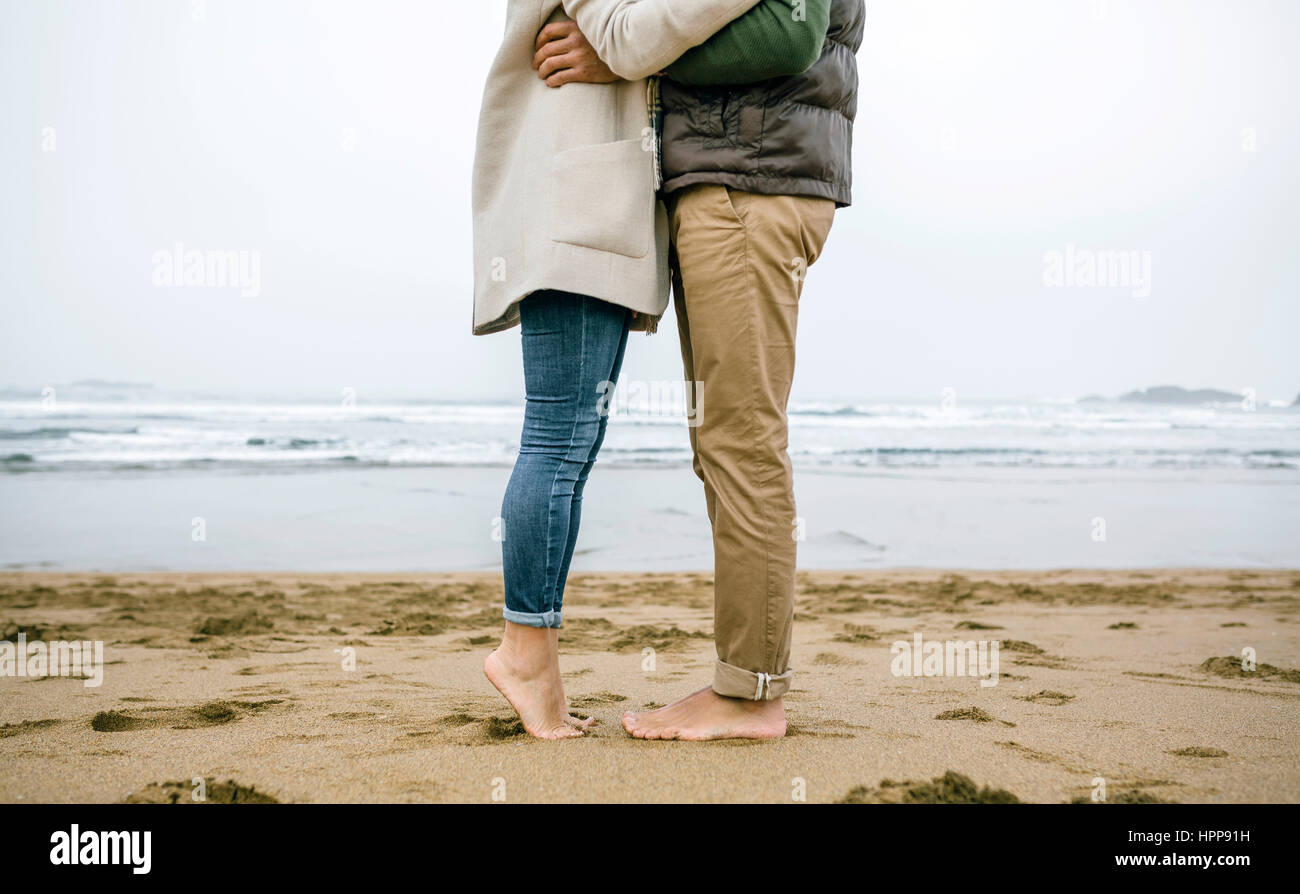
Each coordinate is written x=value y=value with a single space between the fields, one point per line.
x=243 y=680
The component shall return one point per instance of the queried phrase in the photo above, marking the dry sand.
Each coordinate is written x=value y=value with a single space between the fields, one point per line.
x=239 y=679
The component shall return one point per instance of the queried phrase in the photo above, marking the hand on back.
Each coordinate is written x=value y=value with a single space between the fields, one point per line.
x=563 y=55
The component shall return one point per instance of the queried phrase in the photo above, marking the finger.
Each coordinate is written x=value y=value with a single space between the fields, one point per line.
x=557 y=63
x=564 y=76
x=554 y=48
x=554 y=31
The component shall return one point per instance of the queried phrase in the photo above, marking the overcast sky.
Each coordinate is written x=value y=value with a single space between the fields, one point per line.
x=333 y=141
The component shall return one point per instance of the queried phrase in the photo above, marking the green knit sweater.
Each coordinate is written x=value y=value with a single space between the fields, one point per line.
x=774 y=39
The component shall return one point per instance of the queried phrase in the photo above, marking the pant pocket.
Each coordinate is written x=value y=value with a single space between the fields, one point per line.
x=817 y=216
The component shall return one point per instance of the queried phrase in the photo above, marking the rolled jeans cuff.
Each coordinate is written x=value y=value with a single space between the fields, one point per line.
x=531 y=619
x=735 y=682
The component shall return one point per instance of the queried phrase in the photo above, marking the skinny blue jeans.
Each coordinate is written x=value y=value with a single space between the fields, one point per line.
x=573 y=349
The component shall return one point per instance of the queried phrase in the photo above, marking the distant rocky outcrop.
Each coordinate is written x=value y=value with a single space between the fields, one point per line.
x=1172 y=394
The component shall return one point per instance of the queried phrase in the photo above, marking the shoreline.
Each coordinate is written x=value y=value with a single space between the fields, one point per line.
x=441 y=519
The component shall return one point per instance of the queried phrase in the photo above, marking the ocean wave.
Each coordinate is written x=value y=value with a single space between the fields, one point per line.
x=53 y=433
x=287 y=460
x=858 y=436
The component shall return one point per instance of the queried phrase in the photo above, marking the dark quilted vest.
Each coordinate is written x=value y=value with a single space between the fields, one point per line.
x=786 y=136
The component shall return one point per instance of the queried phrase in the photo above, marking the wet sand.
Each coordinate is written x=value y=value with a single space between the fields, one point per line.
x=1131 y=677
x=390 y=520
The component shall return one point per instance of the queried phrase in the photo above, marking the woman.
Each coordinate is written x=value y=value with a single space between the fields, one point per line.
x=571 y=244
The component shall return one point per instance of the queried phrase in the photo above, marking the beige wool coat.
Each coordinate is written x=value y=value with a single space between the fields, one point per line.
x=564 y=178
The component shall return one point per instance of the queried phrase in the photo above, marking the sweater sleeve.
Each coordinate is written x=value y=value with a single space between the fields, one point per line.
x=776 y=38
x=638 y=38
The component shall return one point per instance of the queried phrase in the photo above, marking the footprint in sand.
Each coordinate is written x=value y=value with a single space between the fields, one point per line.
x=1019 y=645
x=596 y=699
x=977 y=715
x=824 y=729
x=950 y=788
x=1128 y=796
x=240 y=625
x=855 y=634
x=1047 y=697
x=1231 y=667
x=1042 y=757
x=228 y=792
x=257 y=670
x=27 y=726
x=661 y=639
x=1030 y=654
x=195 y=717
x=472 y=729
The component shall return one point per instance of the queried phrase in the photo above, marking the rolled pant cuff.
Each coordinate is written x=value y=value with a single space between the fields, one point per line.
x=532 y=619
x=735 y=682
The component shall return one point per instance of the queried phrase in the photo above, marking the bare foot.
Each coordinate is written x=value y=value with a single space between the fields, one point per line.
x=707 y=715
x=525 y=669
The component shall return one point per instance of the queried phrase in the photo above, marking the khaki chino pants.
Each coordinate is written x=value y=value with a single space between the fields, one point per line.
x=739 y=260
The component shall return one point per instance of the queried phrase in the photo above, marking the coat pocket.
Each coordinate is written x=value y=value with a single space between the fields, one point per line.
x=603 y=197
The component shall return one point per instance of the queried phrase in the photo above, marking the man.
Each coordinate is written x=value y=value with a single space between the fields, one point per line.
x=753 y=176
